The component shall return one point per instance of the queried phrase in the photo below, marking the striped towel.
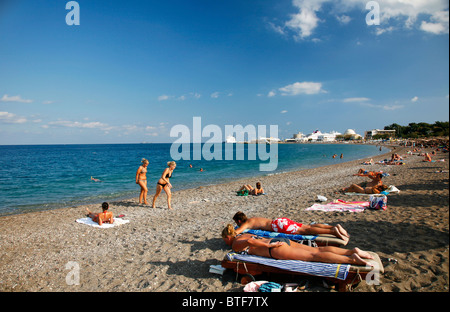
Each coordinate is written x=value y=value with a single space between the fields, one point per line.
x=334 y=270
x=341 y=206
x=294 y=237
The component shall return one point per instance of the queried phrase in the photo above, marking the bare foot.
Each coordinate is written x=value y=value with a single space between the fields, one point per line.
x=339 y=234
x=342 y=230
x=359 y=261
x=362 y=253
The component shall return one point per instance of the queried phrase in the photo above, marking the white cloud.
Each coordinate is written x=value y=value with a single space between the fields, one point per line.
x=6 y=117
x=77 y=124
x=283 y=111
x=302 y=88
x=215 y=95
x=355 y=99
x=415 y=99
x=305 y=21
x=344 y=19
x=48 y=102
x=433 y=14
x=439 y=23
x=164 y=97
x=16 y=98
x=271 y=94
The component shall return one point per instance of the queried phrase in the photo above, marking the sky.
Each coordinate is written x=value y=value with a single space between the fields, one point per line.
x=132 y=70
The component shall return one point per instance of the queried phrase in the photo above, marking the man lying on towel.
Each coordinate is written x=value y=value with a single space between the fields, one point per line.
x=285 y=249
x=287 y=226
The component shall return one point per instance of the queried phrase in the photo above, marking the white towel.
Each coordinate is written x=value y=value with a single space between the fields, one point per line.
x=88 y=221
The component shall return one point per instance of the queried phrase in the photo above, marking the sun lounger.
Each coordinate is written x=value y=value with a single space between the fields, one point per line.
x=344 y=275
x=320 y=240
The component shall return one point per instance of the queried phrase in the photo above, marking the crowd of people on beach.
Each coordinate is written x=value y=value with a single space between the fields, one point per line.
x=279 y=247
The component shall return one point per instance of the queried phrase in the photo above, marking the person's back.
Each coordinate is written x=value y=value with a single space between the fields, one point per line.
x=255 y=223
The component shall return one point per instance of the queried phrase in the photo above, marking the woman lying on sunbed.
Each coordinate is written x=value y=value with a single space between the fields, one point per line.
x=355 y=188
x=285 y=249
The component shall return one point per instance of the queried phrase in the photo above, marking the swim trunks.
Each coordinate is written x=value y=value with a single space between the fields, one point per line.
x=285 y=225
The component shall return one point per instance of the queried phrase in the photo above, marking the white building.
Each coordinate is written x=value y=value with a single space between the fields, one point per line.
x=328 y=137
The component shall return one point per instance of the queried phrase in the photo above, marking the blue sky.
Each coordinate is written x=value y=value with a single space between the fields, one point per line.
x=134 y=69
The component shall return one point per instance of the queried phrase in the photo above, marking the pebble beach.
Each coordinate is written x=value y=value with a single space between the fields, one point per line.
x=161 y=250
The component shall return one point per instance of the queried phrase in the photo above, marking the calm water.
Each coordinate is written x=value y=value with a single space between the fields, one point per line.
x=40 y=177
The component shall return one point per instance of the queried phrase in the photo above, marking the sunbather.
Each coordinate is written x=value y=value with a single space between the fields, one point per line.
x=285 y=225
x=253 y=191
x=355 y=188
x=102 y=217
x=373 y=175
x=284 y=249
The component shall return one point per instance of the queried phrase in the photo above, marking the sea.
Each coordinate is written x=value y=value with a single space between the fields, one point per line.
x=44 y=177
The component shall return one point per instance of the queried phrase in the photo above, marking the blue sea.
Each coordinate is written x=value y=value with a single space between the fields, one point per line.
x=42 y=177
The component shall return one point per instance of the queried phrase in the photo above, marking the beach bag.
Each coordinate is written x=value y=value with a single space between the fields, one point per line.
x=378 y=202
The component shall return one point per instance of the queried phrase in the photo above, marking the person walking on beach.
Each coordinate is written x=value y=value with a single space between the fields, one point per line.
x=102 y=217
x=285 y=249
x=141 y=179
x=164 y=183
x=287 y=226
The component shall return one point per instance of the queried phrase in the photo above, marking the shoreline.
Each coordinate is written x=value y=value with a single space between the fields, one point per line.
x=151 y=193
x=170 y=251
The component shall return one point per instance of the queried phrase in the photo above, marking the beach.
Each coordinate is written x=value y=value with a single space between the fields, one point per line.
x=163 y=250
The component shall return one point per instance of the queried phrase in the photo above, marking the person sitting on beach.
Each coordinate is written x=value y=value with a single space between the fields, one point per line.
x=287 y=226
x=427 y=157
x=285 y=249
x=253 y=191
x=374 y=176
x=355 y=188
x=102 y=217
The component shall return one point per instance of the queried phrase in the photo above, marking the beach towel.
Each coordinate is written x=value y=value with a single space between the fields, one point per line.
x=88 y=221
x=267 y=234
x=340 y=205
x=334 y=270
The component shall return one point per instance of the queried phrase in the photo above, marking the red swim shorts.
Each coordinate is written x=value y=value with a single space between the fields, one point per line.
x=285 y=225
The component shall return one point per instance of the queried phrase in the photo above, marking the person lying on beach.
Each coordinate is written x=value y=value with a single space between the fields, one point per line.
x=102 y=217
x=355 y=188
x=287 y=226
x=253 y=191
x=285 y=249
x=370 y=162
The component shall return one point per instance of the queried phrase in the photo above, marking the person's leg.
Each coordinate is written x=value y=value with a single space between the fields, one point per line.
x=169 y=196
x=144 y=190
x=322 y=254
x=158 y=191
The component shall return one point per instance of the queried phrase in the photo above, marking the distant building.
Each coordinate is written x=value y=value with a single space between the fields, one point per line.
x=351 y=134
x=368 y=135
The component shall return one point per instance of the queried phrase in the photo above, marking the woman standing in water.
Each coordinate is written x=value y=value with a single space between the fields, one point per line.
x=141 y=179
x=164 y=183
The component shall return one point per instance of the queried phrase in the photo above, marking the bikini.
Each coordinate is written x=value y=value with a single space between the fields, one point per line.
x=278 y=239
x=163 y=185
x=273 y=240
x=142 y=171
